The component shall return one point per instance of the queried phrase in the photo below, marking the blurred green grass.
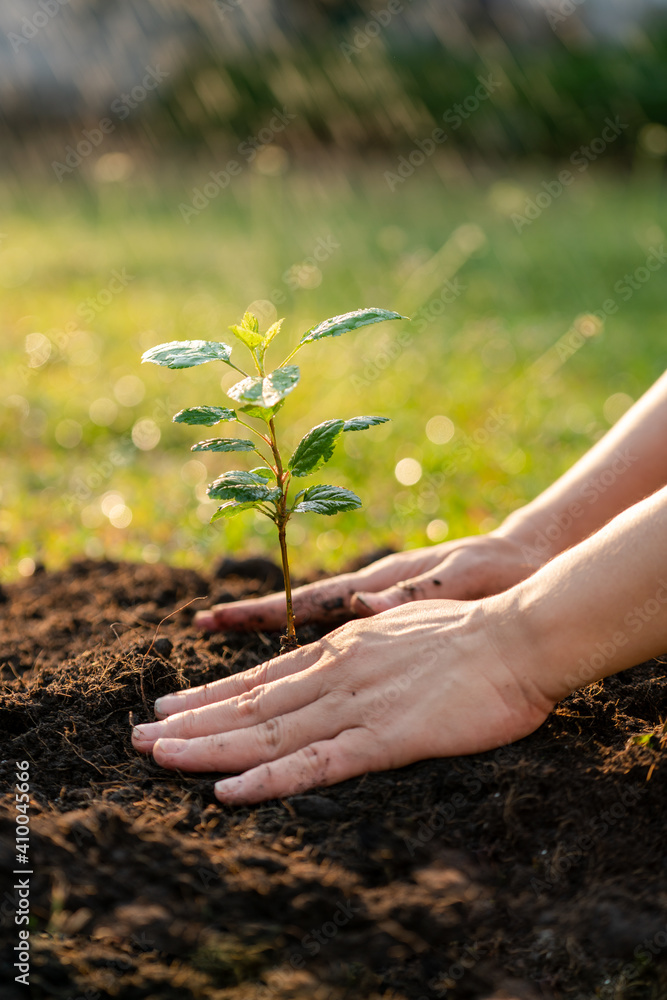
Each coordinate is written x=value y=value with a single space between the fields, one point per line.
x=69 y=460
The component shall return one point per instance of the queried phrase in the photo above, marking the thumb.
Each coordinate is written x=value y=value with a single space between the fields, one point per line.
x=420 y=588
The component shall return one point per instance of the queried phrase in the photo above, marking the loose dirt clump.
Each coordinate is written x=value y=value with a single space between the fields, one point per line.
x=534 y=871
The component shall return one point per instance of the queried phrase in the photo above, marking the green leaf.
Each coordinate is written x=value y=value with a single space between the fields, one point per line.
x=316 y=448
x=261 y=412
x=224 y=444
x=248 y=331
x=362 y=423
x=187 y=353
x=243 y=486
x=266 y=392
x=646 y=740
x=204 y=415
x=231 y=509
x=347 y=321
x=244 y=494
x=326 y=500
x=273 y=331
x=250 y=322
x=263 y=473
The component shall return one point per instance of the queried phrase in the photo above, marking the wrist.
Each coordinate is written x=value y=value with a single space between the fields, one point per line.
x=540 y=534
x=543 y=652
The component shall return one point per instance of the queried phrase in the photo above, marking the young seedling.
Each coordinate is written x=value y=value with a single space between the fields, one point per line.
x=260 y=397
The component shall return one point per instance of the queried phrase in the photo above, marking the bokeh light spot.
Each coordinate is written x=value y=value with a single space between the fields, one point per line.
x=437 y=530
x=440 y=429
x=653 y=139
x=329 y=541
x=129 y=390
x=113 y=167
x=615 y=406
x=26 y=566
x=271 y=161
x=38 y=348
x=193 y=472
x=120 y=515
x=146 y=434
x=408 y=471
x=68 y=433
x=103 y=411
x=111 y=500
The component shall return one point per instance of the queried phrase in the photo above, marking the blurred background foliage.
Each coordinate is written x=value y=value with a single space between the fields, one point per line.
x=535 y=319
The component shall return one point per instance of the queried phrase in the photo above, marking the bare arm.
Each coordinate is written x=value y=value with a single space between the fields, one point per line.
x=626 y=465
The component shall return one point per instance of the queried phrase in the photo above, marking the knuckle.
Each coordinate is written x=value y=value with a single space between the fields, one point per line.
x=248 y=703
x=410 y=590
x=270 y=735
x=316 y=762
x=254 y=677
x=188 y=723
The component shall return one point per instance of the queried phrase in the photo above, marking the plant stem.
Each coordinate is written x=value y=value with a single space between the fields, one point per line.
x=291 y=629
x=282 y=518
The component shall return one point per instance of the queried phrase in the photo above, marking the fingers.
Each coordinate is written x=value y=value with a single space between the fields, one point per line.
x=242 y=748
x=326 y=600
x=258 y=613
x=420 y=588
x=259 y=705
x=325 y=762
x=237 y=684
x=322 y=601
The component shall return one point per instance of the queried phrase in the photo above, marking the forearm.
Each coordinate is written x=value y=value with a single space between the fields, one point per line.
x=626 y=465
x=601 y=606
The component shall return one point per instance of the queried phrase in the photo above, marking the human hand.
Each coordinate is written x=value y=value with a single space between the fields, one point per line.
x=464 y=569
x=427 y=679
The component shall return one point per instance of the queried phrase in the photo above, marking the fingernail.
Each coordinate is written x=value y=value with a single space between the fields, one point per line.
x=146 y=732
x=162 y=704
x=171 y=746
x=229 y=788
x=203 y=620
x=357 y=599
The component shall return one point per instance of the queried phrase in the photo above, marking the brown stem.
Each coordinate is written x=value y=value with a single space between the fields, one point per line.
x=282 y=517
x=291 y=630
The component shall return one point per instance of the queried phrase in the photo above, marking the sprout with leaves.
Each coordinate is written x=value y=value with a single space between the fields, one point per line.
x=260 y=397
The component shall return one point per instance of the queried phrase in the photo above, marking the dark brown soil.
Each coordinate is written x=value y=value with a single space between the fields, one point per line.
x=535 y=871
